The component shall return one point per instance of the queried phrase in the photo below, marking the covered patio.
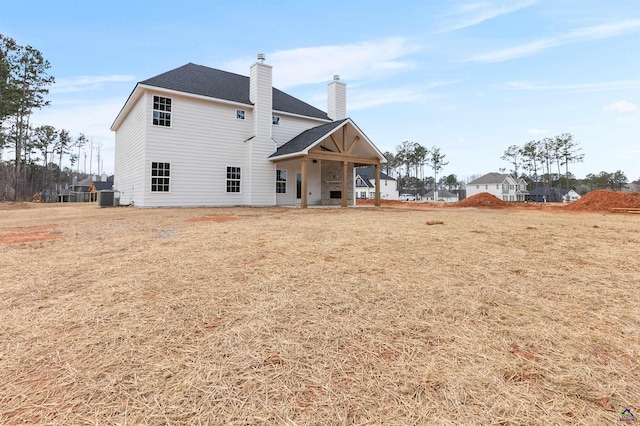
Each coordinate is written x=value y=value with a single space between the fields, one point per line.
x=323 y=159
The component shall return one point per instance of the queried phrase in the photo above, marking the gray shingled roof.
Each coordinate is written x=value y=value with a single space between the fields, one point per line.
x=489 y=178
x=369 y=173
x=366 y=183
x=306 y=138
x=214 y=83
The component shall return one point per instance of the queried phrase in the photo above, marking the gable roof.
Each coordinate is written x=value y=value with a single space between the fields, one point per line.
x=100 y=185
x=490 y=178
x=214 y=83
x=369 y=173
x=307 y=138
x=366 y=183
x=541 y=190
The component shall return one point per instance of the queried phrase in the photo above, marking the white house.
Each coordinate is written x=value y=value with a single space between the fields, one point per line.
x=503 y=186
x=443 y=195
x=198 y=136
x=366 y=187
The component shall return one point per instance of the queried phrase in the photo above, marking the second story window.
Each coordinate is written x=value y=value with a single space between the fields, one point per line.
x=161 y=111
x=240 y=114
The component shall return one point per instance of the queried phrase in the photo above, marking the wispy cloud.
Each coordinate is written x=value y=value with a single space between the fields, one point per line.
x=470 y=14
x=537 y=131
x=585 y=87
x=364 y=99
x=84 y=83
x=575 y=36
x=620 y=106
x=310 y=65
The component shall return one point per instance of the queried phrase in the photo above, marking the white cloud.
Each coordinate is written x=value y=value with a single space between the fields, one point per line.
x=575 y=36
x=364 y=99
x=311 y=65
x=85 y=83
x=620 y=106
x=586 y=87
x=537 y=131
x=470 y=14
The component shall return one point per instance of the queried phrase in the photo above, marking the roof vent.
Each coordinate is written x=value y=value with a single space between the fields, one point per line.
x=261 y=57
x=336 y=77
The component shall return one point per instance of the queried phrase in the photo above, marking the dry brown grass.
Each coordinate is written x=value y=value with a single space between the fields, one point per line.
x=283 y=316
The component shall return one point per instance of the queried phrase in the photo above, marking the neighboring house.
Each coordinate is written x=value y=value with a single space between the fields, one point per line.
x=503 y=186
x=553 y=195
x=366 y=187
x=97 y=186
x=198 y=136
x=443 y=195
x=85 y=190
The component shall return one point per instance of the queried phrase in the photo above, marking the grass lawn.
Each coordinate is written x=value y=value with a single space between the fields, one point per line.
x=389 y=315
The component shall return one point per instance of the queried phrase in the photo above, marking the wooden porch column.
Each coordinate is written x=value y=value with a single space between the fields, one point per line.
x=303 y=190
x=377 y=175
x=345 y=171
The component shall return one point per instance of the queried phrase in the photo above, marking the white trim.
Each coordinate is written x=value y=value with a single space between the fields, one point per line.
x=226 y=180
x=381 y=156
x=151 y=177
x=153 y=110
x=139 y=90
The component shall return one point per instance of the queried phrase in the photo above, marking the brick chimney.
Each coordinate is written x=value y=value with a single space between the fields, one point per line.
x=337 y=99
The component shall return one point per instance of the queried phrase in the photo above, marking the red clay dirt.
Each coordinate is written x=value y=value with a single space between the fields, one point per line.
x=594 y=201
x=604 y=201
x=483 y=199
x=28 y=234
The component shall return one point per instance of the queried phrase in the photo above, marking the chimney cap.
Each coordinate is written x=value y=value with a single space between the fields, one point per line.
x=336 y=77
x=261 y=57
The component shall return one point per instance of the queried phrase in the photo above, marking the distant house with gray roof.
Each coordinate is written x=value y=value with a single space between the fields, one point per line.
x=251 y=143
x=503 y=186
x=366 y=185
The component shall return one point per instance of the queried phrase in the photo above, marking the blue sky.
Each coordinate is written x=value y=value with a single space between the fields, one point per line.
x=471 y=77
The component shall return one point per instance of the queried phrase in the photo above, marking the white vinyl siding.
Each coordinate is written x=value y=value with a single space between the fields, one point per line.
x=203 y=140
x=129 y=177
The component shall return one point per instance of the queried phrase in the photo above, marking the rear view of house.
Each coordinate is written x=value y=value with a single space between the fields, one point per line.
x=198 y=136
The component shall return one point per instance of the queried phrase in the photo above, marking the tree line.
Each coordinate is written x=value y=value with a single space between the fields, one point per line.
x=408 y=164
x=545 y=163
x=38 y=152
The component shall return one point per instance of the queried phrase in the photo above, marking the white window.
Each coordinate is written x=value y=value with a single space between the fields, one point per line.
x=233 y=179
x=505 y=187
x=160 y=175
x=281 y=181
x=240 y=114
x=275 y=120
x=161 y=111
x=486 y=187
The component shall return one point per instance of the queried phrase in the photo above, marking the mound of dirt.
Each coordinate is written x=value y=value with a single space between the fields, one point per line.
x=483 y=199
x=604 y=200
